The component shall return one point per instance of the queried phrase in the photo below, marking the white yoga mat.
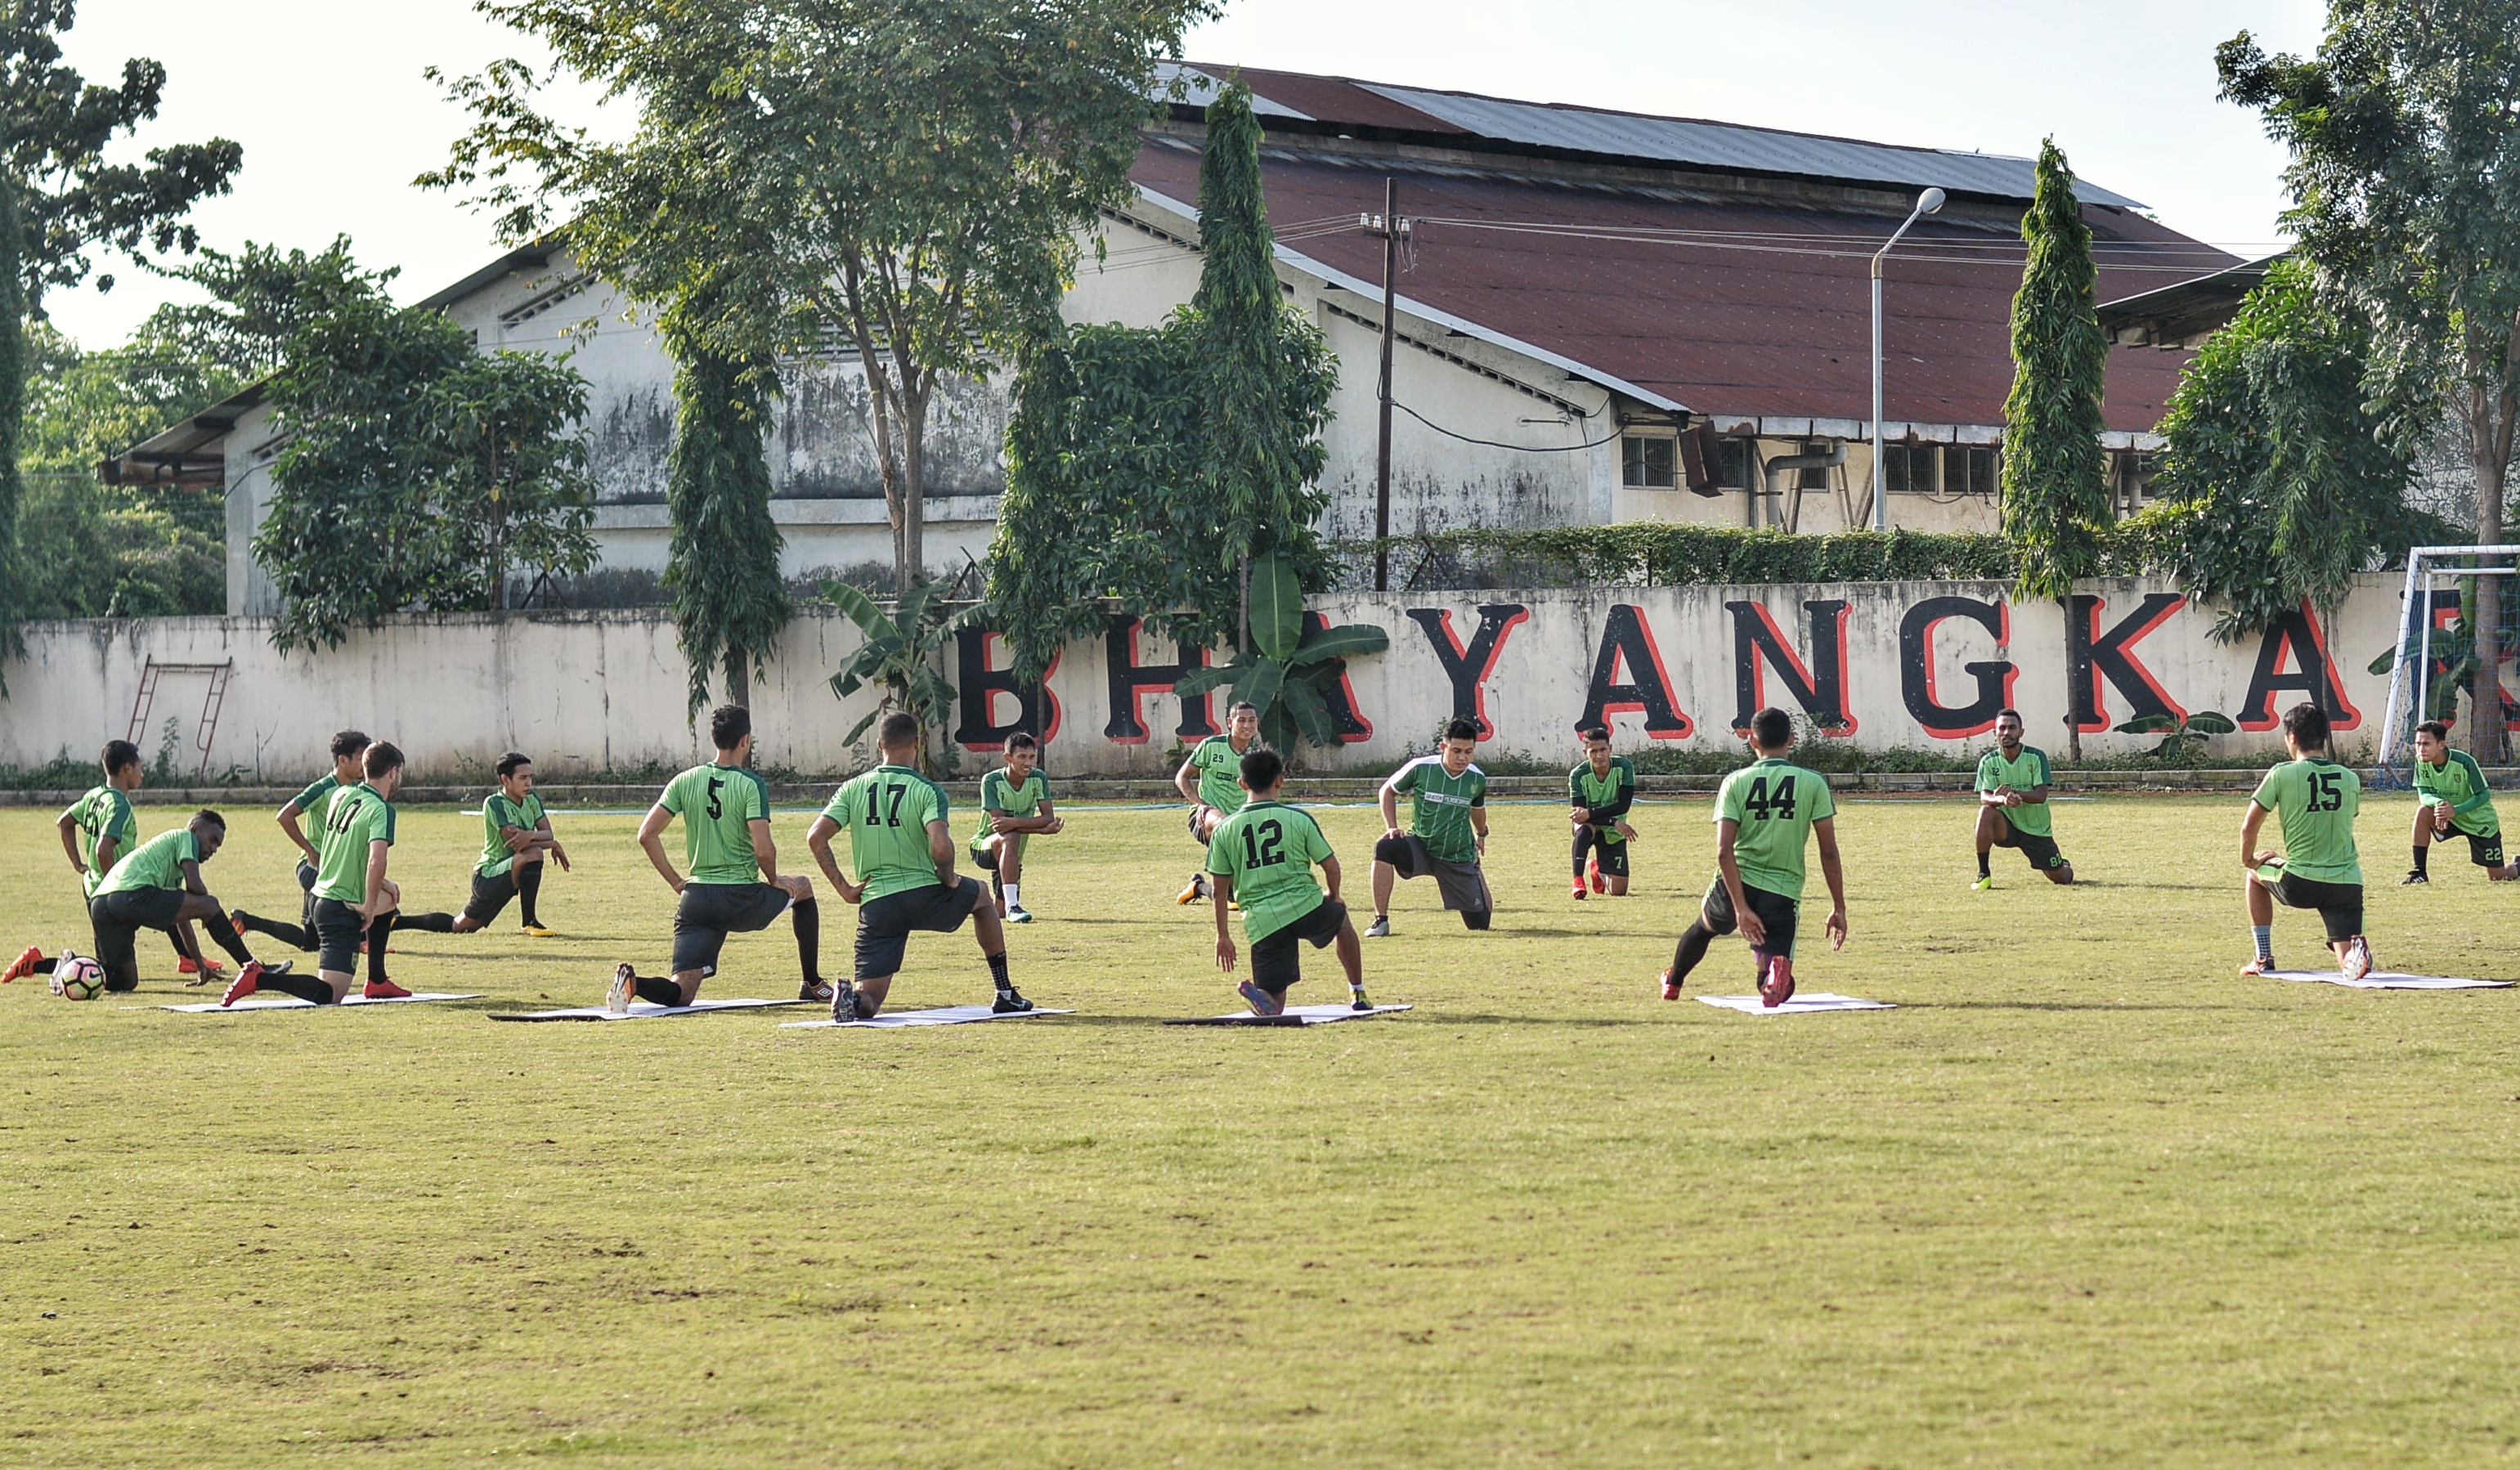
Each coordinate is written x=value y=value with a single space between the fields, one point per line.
x=268 y=1000
x=640 y=1010
x=1292 y=1015
x=1802 y=1004
x=942 y=1015
x=2389 y=980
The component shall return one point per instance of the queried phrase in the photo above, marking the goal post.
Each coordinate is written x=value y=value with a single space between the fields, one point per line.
x=2410 y=689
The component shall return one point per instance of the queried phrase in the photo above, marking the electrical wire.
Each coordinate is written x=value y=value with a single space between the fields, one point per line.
x=1616 y=433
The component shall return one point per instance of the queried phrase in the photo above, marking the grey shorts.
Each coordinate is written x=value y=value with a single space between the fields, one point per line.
x=885 y=924
x=1464 y=887
x=118 y=918
x=709 y=912
x=338 y=932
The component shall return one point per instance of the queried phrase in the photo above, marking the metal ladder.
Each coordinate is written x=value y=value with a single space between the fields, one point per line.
x=208 y=727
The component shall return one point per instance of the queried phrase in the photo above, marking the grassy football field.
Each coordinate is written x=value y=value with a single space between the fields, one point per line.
x=2085 y=1198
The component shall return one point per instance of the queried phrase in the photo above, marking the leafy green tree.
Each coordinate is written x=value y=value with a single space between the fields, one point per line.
x=2055 y=474
x=2297 y=479
x=1287 y=671
x=906 y=177
x=722 y=568
x=2404 y=134
x=901 y=653
x=61 y=198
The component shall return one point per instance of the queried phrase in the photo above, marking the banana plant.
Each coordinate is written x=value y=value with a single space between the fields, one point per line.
x=902 y=655
x=2185 y=734
x=1289 y=670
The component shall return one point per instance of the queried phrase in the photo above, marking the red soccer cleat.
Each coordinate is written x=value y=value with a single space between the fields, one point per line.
x=1592 y=872
x=1577 y=892
x=23 y=964
x=1670 y=987
x=384 y=990
x=1779 y=987
x=243 y=985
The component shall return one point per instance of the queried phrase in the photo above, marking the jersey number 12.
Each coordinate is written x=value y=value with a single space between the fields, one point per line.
x=1264 y=845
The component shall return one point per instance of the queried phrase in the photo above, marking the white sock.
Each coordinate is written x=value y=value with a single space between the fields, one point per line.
x=1012 y=902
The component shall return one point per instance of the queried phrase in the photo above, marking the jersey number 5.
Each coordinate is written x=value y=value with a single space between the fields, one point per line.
x=1264 y=844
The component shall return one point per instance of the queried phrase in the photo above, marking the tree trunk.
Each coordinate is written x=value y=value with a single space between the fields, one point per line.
x=2073 y=729
x=2489 y=438
x=914 y=480
x=13 y=384
x=735 y=674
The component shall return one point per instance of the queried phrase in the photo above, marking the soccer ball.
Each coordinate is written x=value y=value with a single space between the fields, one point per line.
x=76 y=977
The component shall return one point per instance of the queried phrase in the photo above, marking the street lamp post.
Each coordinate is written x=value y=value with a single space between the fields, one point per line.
x=1928 y=202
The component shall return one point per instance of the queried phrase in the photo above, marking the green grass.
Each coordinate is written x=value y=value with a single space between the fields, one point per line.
x=2086 y=1198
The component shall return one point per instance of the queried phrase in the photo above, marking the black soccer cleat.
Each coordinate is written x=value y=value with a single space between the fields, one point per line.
x=2415 y=875
x=1008 y=1003
x=814 y=990
x=845 y=1001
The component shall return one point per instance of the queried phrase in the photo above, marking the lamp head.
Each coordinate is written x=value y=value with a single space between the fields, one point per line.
x=1930 y=201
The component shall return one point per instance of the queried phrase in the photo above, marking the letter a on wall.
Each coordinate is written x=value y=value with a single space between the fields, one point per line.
x=1921 y=689
x=2299 y=635
x=1468 y=668
x=1759 y=645
x=1627 y=642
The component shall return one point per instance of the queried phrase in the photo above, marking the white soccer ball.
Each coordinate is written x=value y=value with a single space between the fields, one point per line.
x=76 y=977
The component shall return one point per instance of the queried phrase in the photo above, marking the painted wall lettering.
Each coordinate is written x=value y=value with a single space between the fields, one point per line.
x=1916 y=673
x=983 y=686
x=1353 y=726
x=2296 y=639
x=2091 y=655
x=1468 y=668
x=1759 y=645
x=1131 y=680
x=1626 y=639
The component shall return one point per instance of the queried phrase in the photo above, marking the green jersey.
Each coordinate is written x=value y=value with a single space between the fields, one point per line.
x=1593 y=792
x=1440 y=806
x=2024 y=773
x=1220 y=773
x=2458 y=781
x=498 y=814
x=1000 y=792
x=357 y=818
x=157 y=863
x=2317 y=799
x=104 y=812
x=1269 y=850
x=311 y=804
x=886 y=812
x=718 y=805
x=1776 y=802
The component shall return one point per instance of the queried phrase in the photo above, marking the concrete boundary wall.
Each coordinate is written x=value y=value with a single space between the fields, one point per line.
x=1916 y=666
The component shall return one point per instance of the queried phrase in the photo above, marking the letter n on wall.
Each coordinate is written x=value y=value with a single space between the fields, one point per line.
x=983 y=686
x=1918 y=684
x=1759 y=645
x=1627 y=641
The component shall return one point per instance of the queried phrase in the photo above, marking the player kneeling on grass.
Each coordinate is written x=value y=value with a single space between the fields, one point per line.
x=156 y=885
x=1763 y=814
x=1263 y=856
x=2013 y=809
x=1015 y=805
x=2321 y=868
x=735 y=886
x=904 y=851
x=97 y=829
x=2453 y=798
x=355 y=902
x=349 y=747
x=1602 y=790
x=516 y=834
x=1208 y=778
x=1448 y=830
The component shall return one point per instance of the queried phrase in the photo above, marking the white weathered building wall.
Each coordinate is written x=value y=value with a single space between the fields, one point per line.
x=587 y=691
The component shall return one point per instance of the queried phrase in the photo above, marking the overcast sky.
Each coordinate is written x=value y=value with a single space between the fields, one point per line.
x=335 y=118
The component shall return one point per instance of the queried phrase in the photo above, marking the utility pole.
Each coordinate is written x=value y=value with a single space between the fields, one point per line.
x=1390 y=227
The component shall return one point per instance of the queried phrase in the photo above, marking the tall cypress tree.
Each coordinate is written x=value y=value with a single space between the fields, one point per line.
x=2055 y=474
x=13 y=398
x=722 y=567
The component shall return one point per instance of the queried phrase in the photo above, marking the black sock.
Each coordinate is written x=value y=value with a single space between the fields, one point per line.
x=303 y=986
x=292 y=935
x=1982 y=870
x=45 y=967
x=998 y=972
x=809 y=939
x=432 y=923
x=2422 y=854
x=227 y=939
x=178 y=943
x=381 y=927
x=1694 y=941
x=529 y=887
x=656 y=992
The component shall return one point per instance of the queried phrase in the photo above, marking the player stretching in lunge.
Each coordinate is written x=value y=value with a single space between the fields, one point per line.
x=156 y=885
x=2013 y=809
x=97 y=830
x=735 y=886
x=1601 y=791
x=2321 y=868
x=1211 y=778
x=1265 y=854
x=1763 y=812
x=516 y=836
x=904 y=851
x=2452 y=798
x=348 y=747
x=1015 y=805
x=354 y=900
x=1448 y=830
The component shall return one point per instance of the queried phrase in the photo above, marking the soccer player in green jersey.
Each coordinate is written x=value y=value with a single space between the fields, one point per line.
x=97 y=829
x=2013 y=809
x=1211 y=780
x=1448 y=830
x=355 y=902
x=1014 y=806
x=903 y=848
x=158 y=885
x=1763 y=813
x=1265 y=853
x=735 y=886
x=2451 y=796
x=2321 y=867
x=515 y=837
x=1600 y=790
x=348 y=747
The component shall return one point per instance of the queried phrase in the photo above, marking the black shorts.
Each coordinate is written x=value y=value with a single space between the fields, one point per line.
x=2039 y=848
x=117 y=919
x=884 y=924
x=709 y=912
x=2339 y=904
x=490 y=895
x=1464 y=887
x=985 y=858
x=1278 y=961
x=1778 y=914
x=1608 y=853
x=338 y=932
x=2483 y=852
x=1199 y=808
x=306 y=886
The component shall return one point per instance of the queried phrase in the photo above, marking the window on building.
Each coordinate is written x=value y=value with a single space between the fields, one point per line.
x=1648 y=461
x=1970 y=470
x=1909 y=469
x=1816 y=478
x=1735 y=474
